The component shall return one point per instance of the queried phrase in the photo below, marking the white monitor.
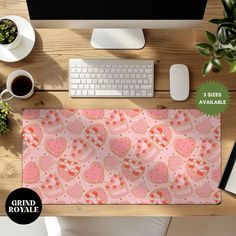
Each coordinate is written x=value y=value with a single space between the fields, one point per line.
x=116 y=24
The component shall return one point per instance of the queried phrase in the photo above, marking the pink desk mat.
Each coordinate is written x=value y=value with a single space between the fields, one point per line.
x=73 y=156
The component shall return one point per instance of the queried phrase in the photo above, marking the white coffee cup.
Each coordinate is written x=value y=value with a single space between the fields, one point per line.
x=10 y=79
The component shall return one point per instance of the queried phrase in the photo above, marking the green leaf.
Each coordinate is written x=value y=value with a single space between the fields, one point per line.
x=210 y=37
x=204 y=46
x=228 y=6
x=206 y=68
x=216 y=62
x=203 y=52
x=233 y=67
x=222 y=36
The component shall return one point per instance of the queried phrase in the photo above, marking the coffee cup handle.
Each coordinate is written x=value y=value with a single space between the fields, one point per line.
x=2 y=95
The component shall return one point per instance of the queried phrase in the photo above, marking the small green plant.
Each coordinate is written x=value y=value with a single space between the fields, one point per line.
x=4 y=111
x=8 y=31
x=221 y=45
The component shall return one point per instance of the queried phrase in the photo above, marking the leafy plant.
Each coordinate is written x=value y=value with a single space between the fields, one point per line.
x=221 y=45
x=8 y=31
x=4 y=111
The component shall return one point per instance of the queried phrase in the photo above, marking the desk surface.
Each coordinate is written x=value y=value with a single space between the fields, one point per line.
x=48 y=64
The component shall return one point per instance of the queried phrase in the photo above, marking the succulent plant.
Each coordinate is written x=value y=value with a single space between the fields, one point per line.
x=222 y=44
x=4 y=111
x=8 y=31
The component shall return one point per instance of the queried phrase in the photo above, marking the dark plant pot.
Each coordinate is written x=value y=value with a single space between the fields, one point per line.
x=16 y=40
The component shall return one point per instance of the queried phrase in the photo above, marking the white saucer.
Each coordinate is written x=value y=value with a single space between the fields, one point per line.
x=26 y=44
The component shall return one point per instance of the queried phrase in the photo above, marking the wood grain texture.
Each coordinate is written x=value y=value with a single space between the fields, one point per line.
x=48 y=64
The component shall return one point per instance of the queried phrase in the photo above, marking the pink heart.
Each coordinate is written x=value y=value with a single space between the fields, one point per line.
x=46 y=162
x=56 y=146
x=204 y=126
x=94 y=174
x=159 y=173
x=31 y=173
x=75 y=190
x=139 y=126
x=204 y=190
x=184 y=146
x=175 y=162
x=120 y=146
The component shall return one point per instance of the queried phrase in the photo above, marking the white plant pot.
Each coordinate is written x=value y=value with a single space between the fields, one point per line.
x=15 y=43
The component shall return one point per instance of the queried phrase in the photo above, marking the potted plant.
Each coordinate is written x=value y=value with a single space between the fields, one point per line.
x=9 y=34
x=4 y=111
x=221 y=46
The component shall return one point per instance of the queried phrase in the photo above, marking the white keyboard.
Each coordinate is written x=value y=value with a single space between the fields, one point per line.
x=111 y=78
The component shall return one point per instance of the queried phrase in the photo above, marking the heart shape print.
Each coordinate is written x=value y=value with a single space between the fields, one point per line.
x=120 y=146
x=56 y=146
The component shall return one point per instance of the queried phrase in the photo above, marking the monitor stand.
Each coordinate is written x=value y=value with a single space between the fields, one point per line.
x=118 y=39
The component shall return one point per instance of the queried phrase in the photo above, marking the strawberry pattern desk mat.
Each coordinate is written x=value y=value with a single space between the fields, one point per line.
x=153 y=156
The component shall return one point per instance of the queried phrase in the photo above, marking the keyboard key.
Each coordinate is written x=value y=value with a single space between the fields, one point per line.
x=75 y=81
x=72 y=92
x=91 y=92
x=84 y=92
x=78 y=92
x=74 y=76
x=148 y=71
x=108 y=92
x=132 y=92
x=146 y=86
x=126 y=93
x=74 y=86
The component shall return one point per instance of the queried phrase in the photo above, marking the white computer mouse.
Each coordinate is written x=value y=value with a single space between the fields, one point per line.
x=179 y=82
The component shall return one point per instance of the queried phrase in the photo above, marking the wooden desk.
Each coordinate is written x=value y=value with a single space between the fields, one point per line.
x=48 y=64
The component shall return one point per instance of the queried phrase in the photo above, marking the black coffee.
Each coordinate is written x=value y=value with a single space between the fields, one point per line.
x=21 y=85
